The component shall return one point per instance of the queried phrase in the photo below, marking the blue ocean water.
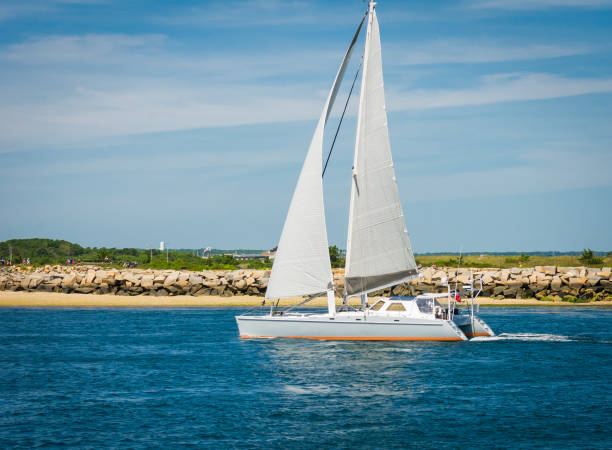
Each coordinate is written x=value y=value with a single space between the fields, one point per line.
x=136 y=378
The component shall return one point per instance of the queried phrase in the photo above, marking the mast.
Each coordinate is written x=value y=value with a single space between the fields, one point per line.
x=355 y=186
x=379 y=253
x=302 y=265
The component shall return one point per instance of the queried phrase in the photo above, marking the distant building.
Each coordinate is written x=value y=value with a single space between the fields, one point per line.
x=249 y=257
x=271 y=254
x=162 y=246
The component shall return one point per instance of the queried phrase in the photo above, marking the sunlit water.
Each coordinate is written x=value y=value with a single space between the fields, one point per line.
x=181 y=377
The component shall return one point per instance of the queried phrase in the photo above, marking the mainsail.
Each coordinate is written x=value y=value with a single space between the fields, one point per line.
x=302 y=265
x=378 y=247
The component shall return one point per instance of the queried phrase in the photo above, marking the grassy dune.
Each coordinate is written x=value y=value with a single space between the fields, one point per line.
x=508 y=261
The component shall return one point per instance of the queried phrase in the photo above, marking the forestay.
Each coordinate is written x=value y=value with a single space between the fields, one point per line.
x=302 y=265
x=378 y=248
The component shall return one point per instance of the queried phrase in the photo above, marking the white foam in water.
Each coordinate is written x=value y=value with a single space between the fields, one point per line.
x=524 y=337
x=318 y=389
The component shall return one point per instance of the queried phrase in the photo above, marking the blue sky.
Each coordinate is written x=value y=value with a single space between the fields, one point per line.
x=129 y=123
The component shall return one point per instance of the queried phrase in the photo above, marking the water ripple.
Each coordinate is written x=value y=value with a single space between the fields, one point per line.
x=182 y=377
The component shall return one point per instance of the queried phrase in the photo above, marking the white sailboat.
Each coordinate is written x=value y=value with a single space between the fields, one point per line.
x=379 y=253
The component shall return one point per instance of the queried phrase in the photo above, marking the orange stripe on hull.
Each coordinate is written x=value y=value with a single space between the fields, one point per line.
x=346 y=338
x=477 y=334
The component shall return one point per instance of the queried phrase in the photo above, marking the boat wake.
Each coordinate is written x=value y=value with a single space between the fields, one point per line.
x=524 y=337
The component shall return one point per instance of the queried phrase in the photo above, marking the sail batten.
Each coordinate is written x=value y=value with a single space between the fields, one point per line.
x=302 y=265
x=378 y=246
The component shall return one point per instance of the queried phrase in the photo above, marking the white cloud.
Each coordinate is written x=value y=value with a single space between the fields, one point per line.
x=11 y=11
x=86 y=49
x=538 y=4
x=541 y=170
x=69 y=88
x=147 y=108
x=16 y=9
x=74 y=87
x=444 y=51
x=500 y=88
x=245 y=13
x=249 y=13
x=153 y=55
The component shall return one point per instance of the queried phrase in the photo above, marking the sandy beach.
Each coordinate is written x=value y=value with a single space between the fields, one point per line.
x=46 y=299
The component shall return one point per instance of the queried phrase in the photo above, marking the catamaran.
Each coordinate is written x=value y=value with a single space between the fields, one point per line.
x=379 y=254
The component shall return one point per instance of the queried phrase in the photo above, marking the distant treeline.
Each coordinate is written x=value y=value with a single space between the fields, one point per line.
x=51 y=251
x=543 y=253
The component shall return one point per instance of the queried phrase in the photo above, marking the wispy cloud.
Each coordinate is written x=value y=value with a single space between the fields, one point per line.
x=84 y=49
x=10 y=11
x=538 y=4
x=250 y=13
x=97 y=85
x=245 y=13
x=442 y=51
x=17 y=9
x=540 y=170
x=67 y=88
x=500 y=88
x=153 y=55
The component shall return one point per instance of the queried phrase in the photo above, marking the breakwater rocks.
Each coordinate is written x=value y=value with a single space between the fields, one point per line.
x=549 y=282
x=539 y=282
x=95 y=280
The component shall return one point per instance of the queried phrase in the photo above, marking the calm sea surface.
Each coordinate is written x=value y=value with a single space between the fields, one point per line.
x=136 y=378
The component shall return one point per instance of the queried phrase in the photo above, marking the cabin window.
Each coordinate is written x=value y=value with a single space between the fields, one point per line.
x=425 y=305
x=378 y=305
x=396 y=307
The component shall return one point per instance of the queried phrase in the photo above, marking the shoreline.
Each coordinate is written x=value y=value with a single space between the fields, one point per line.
x=21 y=299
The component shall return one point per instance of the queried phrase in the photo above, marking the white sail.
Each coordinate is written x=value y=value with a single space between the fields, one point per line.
x=302 y=265
x=378 y=248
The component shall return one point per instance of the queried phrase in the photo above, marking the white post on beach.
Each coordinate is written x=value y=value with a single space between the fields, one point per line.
x=331 y=303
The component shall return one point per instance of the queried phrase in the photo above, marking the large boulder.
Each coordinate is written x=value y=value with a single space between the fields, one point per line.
x=159 y=278
x=147 y=281
x=183 y=276
x=171 y=279
x=212 y=283
x=547 y=270
x=69 y=280
x=89 y=277
x=607 y=285
x=555 y=284
x=100 y=275
x=593 y=280
x=35 y=280
x=195 y=279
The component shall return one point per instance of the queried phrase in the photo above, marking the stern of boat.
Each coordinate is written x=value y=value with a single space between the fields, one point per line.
x=476 y=327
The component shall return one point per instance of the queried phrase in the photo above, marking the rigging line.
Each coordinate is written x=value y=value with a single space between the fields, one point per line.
x=341 y=118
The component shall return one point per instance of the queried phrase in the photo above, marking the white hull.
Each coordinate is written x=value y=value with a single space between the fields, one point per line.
x=349 y=326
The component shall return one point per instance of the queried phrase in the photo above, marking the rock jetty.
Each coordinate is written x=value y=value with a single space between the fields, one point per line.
x=538 y=282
